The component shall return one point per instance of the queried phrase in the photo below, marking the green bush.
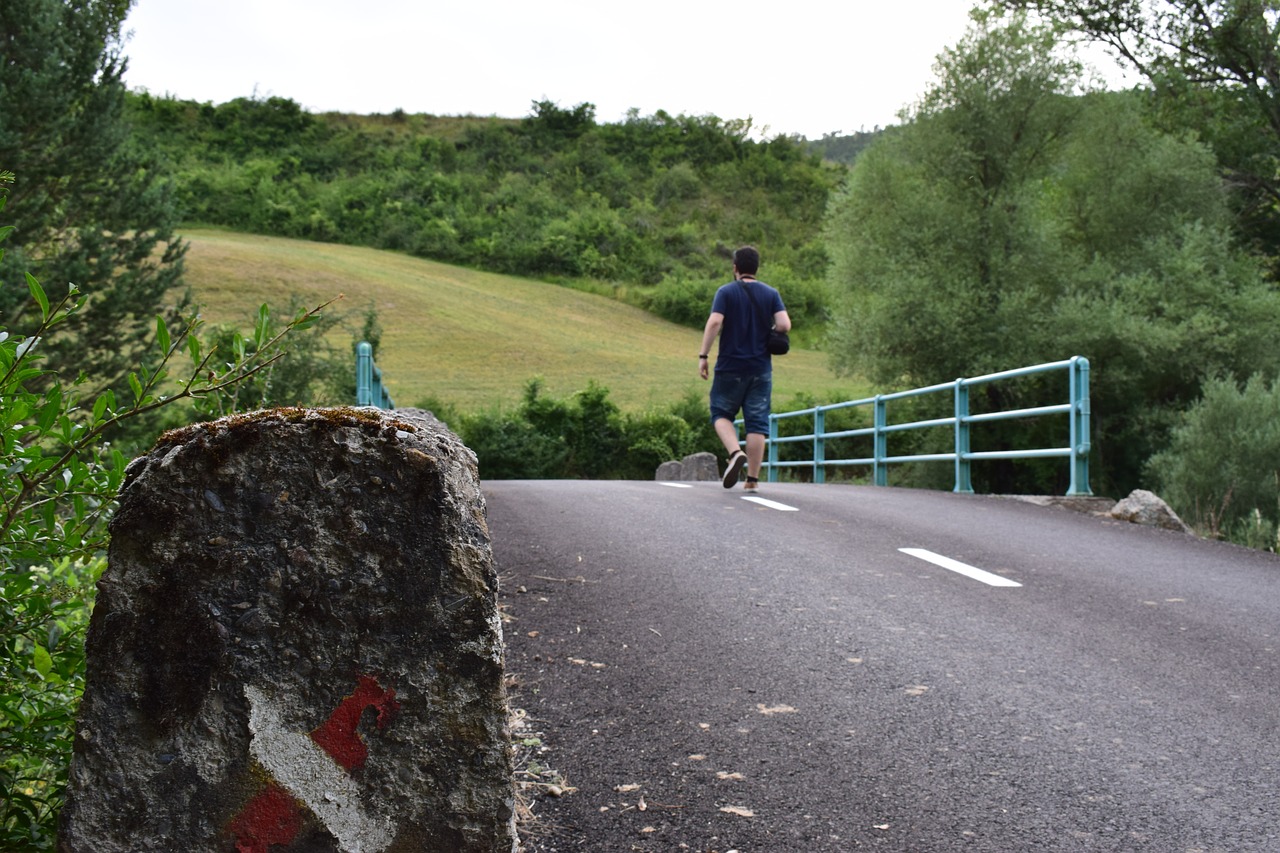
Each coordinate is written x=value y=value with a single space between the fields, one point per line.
x=1257 y=531
x=653 y=438
x=584 y=436
x=596 y=437
x=512 y=449
x=44 y=611
x=1221 y=470
x=682 y=299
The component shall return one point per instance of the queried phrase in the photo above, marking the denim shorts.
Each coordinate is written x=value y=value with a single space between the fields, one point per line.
x=750 y=393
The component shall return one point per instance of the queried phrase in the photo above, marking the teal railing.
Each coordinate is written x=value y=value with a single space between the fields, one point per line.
x=1076 y=409
x=369 y=388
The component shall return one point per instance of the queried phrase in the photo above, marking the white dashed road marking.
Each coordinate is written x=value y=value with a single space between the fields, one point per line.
x=771 y=504
x=676 y=485
x=961 y=568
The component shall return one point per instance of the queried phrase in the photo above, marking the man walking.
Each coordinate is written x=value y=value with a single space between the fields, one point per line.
x=741 y=315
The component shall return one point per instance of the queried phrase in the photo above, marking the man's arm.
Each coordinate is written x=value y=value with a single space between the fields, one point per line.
x=782 y=321
x=709 y=334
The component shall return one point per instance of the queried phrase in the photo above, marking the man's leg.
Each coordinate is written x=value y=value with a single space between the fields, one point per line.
x=726 y=400
x=728 y=434
x=737 y=460
x=755 y=453
x=755 y=414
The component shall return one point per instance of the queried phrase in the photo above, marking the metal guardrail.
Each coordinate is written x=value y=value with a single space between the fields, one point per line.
x=369 y=388
x=1076 y=409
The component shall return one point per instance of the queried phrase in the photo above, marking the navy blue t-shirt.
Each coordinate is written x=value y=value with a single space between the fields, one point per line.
x=746 y=328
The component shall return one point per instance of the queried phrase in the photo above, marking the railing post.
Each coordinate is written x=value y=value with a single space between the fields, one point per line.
x=880 y=470
x=369 y=388
x=964 y=484
x=773 y=448
x=819 y=445
x=364 y=374
x=1080 y=415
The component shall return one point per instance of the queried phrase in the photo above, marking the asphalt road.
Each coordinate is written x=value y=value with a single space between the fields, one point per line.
x=713 y=674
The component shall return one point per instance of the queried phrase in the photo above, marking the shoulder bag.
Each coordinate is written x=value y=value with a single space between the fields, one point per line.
x=778 y=343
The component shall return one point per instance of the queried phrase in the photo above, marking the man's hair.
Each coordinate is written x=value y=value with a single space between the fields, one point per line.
x=747 y=260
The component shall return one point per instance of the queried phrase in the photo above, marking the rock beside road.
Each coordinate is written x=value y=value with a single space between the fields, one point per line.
x=1143 y=507
x=296 y=646
x=694 y=468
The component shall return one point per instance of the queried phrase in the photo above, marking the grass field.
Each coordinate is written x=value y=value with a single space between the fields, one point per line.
x=474 y=339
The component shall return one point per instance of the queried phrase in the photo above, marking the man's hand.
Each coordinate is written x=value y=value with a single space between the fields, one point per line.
x=709 y=334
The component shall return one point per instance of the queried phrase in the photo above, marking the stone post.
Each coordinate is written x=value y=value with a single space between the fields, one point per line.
x=699 y=466
x=296 y=647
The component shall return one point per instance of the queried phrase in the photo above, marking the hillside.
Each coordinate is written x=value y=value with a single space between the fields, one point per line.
x=649 y=201
x=474 y=339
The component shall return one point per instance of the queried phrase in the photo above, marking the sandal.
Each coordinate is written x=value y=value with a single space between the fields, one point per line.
x=737 y=462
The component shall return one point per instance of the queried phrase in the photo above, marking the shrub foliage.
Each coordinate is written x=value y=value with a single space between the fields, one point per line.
x=1221 y=470
x=584 y=436
x=649 y=200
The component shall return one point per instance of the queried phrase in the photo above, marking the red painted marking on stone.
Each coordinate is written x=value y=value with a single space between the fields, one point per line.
x=272 y=817
x=338 y=736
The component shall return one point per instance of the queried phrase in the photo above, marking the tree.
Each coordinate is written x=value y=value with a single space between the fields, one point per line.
x=937 y=232
x=1011 y=222
x=549 y=121
x=95 y=211
x=1215 y=65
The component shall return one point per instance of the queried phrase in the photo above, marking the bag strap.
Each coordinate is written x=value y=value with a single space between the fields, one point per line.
x=768 y=321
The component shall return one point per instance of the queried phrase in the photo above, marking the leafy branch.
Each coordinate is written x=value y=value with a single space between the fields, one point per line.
x=60 y=423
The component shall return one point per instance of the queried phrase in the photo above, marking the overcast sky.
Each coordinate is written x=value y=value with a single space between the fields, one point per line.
x=800 y=67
